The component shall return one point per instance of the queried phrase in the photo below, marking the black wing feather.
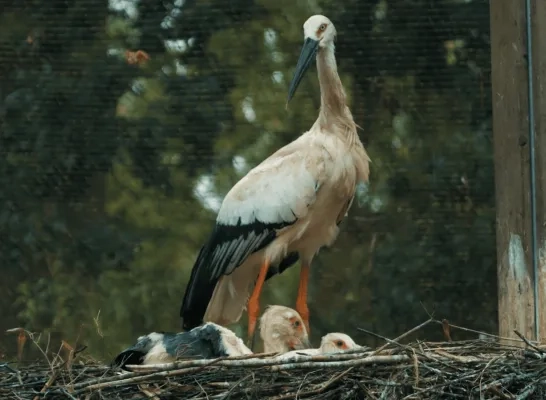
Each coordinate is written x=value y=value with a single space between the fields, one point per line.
x=192 y=344
x=203 y=342
x=133 y=355
x=128 y=357
x=227 y=248
x=286 y=263
x=210 y=334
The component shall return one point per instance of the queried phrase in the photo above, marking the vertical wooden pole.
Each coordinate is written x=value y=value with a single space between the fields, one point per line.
x=512 y=170
x=539 y=88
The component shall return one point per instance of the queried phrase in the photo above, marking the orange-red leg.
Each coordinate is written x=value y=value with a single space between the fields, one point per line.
x=301 y=301
x=253 y=306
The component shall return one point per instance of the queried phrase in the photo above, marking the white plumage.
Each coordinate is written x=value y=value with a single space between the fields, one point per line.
x=279 y=190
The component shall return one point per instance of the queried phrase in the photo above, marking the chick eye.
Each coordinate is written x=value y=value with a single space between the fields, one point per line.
x=339 y=343
x=322 y=27
x=296 y=323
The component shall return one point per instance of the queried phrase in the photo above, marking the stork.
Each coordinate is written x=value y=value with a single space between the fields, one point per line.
x=282 y=330
x=284 y=209
x=206 y=341
x=331 y=343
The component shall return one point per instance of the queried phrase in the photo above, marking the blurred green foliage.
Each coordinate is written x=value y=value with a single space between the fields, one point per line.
x=100 y=219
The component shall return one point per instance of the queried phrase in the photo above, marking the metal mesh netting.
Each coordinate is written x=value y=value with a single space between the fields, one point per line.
x=124 y=123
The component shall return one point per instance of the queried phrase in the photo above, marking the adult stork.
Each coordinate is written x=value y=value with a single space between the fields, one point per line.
x=287 y=207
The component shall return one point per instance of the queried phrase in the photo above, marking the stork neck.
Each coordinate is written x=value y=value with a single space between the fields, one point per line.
x=275 y=346
x=332 y=94
x=334 y=112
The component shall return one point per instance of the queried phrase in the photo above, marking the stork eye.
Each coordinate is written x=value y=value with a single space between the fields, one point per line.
x=339 y=343
x=322 y=27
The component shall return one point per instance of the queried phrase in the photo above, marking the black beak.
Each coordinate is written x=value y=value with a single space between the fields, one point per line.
x=307 y=55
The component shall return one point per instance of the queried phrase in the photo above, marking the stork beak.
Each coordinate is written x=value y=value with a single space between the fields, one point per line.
x=302 y=344
x=307 y=55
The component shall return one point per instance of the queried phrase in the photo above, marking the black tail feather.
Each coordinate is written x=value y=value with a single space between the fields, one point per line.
x=199 y=291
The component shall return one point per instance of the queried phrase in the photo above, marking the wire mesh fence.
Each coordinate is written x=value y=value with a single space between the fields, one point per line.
x=124 y=123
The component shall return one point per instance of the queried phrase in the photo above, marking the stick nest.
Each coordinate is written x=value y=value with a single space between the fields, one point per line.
x=479 y=369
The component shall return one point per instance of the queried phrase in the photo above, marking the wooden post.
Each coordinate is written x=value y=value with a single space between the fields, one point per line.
x=539 y=88
x=512 y=171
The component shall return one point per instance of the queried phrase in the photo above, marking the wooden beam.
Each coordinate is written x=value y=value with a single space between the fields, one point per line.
x=512 y=172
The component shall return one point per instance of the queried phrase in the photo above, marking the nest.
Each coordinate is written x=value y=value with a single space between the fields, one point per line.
x=480 y=369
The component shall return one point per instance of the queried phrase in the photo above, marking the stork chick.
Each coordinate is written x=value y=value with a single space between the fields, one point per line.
x=207 y=341
x=334 y=342
x=282 y=330
x=286 y=208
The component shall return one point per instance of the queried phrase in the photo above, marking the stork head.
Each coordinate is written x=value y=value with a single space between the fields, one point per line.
x=320 y=29
x=336 y=342
x=282 y=330
x=318 y=32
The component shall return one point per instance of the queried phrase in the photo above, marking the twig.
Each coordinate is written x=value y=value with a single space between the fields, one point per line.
x=246 y=360
x=528 y=343
x=296 y=358
x=340 y=364
x=266 y=362
x=319 y=390
x=527 y=391
x=416 y=369
x=6 y=366
x=461 y=378
x=495 y=390
x=394 y=341
x=235 y=385
x=48 y=384
x=137 y=379
x=478 y=332
x=202 y=390
x=445 y=329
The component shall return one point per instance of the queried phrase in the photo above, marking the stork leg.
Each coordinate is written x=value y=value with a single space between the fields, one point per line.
x=253 y=306
x=301 y=301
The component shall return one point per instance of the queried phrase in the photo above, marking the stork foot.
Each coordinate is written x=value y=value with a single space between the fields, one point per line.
x=253 y=306
x=301 y=301
x=250 y=343
x=253 y=311
x=303 y=311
